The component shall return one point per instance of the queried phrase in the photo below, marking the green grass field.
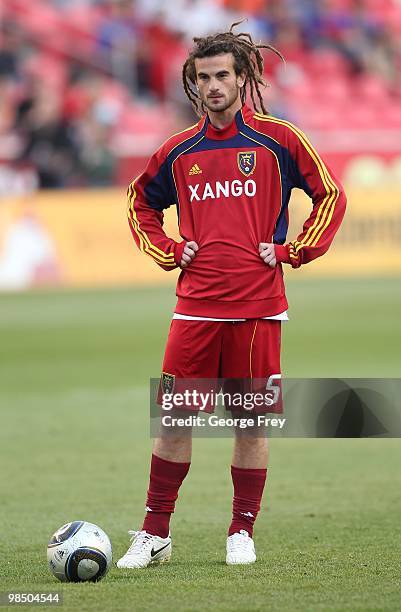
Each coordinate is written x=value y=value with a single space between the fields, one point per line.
x=74 y=442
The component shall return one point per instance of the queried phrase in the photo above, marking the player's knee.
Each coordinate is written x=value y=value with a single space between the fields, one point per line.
x=176 y=429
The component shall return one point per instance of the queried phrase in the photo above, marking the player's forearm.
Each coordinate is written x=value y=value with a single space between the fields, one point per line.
x=146 y=226
x=163 y=250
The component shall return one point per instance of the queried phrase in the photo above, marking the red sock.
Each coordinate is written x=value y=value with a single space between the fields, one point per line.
x=248 y=491
x=165 y=480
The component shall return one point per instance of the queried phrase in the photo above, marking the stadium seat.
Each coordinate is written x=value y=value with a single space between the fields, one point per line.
x=318 y=116
x=391 y=114
x=372 y=89
x=358 y=114
x=332 y=91
x=326 y=63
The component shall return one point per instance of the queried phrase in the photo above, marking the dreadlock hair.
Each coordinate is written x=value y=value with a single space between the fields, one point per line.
x=248 y=60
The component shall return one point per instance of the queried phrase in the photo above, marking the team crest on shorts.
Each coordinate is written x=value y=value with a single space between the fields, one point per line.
x=247 y=162
x=168 y=381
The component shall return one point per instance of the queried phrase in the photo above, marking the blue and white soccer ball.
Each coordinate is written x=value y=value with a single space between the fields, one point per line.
x=78 y=552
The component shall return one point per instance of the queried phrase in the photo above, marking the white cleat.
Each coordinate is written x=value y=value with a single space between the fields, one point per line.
x=145 y=549
x=240 y=549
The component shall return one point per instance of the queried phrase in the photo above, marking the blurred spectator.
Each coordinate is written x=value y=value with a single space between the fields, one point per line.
x=9 y=50
x=118 y=39
x=49 y=139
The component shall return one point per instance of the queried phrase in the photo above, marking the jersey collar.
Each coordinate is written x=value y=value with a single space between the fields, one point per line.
x=230 y=130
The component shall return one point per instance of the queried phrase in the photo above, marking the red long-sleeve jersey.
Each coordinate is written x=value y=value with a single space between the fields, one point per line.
x=231 y=188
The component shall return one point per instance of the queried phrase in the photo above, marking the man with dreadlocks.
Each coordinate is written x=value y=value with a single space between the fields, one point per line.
x=230 y=177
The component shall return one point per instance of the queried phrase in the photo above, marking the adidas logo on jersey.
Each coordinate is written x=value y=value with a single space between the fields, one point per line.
x=195 y=170
x=224 y=189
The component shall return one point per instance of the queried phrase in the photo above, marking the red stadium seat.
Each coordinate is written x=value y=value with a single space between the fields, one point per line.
x=359 y=115
x=391 y=114
x=372 y=89
x=332 y=91
x=326 y=63
x=318 y=116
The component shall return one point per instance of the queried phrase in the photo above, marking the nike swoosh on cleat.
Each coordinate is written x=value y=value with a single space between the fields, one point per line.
x=154 y=552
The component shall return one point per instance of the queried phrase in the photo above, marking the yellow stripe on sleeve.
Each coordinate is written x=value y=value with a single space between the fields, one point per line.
x=326 y=208
x=146 y=246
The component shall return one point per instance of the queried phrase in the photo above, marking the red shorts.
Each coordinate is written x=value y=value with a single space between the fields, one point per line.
x=247 y=351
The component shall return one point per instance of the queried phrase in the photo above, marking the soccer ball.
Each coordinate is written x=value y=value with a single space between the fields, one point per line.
x=79 y=551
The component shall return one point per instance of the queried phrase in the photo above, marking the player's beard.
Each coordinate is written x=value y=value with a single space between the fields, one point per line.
x=227 y=103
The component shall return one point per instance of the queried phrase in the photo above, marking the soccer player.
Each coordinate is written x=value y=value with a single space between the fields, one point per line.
x=230 y=177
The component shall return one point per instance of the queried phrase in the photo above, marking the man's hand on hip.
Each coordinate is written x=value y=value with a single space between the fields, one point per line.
x=188 y=254
x=267 y=253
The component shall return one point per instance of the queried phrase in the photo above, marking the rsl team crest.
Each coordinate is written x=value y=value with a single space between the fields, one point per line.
x=167 y=381
x=247 y=162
